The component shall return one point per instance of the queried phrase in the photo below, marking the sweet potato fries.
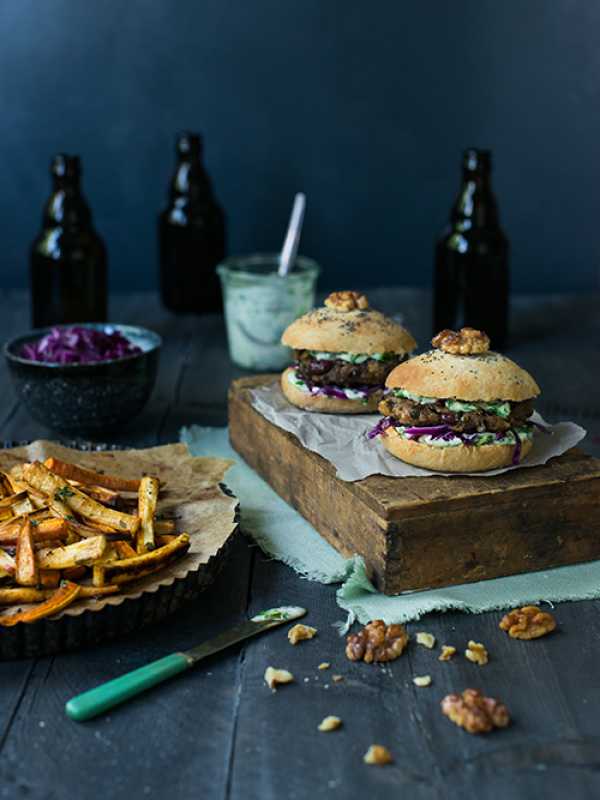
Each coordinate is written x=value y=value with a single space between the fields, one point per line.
x=67 y=532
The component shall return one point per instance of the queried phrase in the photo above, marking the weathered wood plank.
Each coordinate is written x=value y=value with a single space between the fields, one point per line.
x=223 y=734
x=278 y=750
x=551 y=744
x=207 y=373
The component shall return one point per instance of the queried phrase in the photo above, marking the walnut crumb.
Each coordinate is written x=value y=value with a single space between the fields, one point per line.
x=347 y=301
x=422 y=680
x=477 y=653
x=426 y=639
x=273 y=677
x=324 y=665
x=378 y=754
x=337 y=678
x=299 y=633
x=529 y=622
x=330 y=724
x=465 y=342
x=447 y=652
x=474 y=712
x=377 y=642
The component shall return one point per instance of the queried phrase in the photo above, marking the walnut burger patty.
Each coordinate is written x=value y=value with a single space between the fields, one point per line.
x=327 y=372
x=459 y=407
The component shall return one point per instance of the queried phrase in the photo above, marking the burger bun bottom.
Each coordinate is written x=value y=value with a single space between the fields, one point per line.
x=326 y=405
x=462 y=458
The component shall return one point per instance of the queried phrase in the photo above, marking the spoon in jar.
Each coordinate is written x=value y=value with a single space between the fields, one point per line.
x=292 y=237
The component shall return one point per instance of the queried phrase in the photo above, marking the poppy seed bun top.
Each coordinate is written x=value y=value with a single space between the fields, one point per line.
x=484 y=376
x=339 y=329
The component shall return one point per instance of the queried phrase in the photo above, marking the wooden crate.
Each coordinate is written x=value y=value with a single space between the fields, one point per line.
x=418 y=533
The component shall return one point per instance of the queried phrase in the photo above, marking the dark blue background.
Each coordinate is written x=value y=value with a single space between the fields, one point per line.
x=365 y=106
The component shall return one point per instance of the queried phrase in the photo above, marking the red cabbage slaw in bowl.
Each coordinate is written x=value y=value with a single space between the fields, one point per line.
x=78 y=344
x=340 y=392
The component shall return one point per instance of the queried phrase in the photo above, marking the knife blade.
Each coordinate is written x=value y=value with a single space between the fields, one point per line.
x=112 y=693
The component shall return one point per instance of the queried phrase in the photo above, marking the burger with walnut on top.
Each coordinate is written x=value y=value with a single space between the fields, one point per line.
x=459 y=407
x=344 y=353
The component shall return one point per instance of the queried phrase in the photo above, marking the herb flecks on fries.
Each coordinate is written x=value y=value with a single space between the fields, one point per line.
x=69 y=533
x=40 y=477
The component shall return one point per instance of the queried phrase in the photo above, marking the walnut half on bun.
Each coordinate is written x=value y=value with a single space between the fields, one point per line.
x=458 y=408
x=344 y=352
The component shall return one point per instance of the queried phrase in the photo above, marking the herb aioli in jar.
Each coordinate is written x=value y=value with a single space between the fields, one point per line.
x=260 y=304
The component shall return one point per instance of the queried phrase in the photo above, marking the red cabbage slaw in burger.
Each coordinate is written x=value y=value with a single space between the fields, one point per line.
x=344 y=352
x=458 y=408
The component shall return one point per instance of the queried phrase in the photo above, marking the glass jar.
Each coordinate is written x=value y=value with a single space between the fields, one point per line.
x=259 y=305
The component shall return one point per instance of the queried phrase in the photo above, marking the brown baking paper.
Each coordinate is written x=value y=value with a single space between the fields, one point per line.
x=190 y=493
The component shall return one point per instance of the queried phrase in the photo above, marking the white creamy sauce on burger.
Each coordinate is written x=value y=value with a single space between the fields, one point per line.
x=351 y=358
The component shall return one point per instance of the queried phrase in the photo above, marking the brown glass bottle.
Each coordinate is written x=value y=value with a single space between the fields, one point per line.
x=471 y=281
x=68 y=258
x=191 y=235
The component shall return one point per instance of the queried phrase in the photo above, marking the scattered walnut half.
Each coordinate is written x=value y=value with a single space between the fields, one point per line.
x=330 y=724
x=474 y=712
x=377 y=642
x=378 y=754
x=426 y=639
x=465 y=342
x=447 y=652
x=347 y=301
x=528 y=622
x=477 y=653
x=273 y=677
x=298 y=633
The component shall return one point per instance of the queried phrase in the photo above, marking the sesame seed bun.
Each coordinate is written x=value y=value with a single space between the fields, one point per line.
x=462 y=458
x=357 y=331
x=485 y=376
x=324 y=404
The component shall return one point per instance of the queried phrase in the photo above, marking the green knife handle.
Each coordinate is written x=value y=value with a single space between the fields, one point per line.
x=110 y=694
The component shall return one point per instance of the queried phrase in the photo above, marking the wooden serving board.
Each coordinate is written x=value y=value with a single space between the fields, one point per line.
x=418 y=533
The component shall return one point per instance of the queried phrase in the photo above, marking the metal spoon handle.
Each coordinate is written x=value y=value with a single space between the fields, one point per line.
x=292 y=238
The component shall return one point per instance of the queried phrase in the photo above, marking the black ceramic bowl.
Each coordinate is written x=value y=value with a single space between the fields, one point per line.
x=86 y=399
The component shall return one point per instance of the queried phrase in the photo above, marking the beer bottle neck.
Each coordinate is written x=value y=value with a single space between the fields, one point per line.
x=475 y=206
x=191 y=181
x=67 y=206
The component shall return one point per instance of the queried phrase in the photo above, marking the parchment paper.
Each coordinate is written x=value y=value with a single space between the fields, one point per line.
x=342 y=440
x=191 y=495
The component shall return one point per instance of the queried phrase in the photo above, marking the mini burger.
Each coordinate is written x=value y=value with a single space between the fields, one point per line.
x=459 y=407
x=344 y=353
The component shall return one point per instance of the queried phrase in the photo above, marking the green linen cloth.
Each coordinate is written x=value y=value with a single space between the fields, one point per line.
x=284 y=534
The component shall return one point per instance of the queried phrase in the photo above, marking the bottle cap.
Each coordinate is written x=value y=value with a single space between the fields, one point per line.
x=64 y=166
x=189 y=144
x=475 y=160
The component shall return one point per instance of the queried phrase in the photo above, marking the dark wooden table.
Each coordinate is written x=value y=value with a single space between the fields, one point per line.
x=218 y=732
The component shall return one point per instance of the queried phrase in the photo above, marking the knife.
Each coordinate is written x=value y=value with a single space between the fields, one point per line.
x=108 y=695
